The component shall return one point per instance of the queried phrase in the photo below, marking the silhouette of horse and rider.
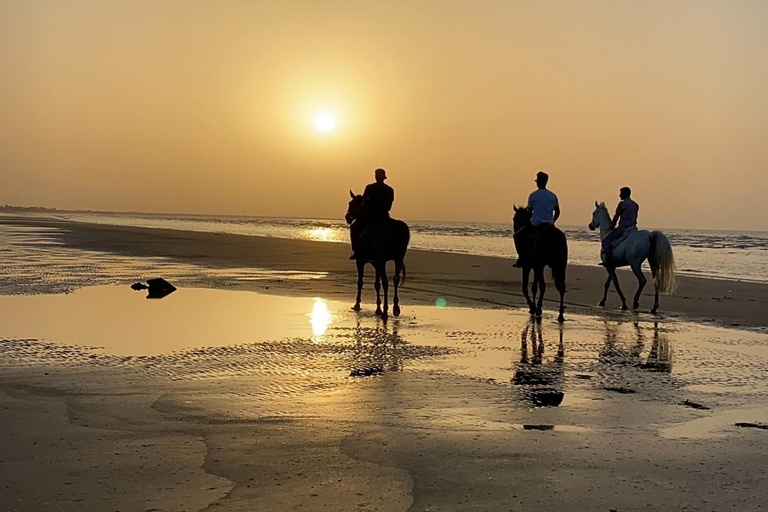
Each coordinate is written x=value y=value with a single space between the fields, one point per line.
x=377 y=238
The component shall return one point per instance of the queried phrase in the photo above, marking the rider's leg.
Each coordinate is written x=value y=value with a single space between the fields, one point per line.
x=607 y=249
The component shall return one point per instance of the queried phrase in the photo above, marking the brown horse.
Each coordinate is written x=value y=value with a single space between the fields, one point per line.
x=381 y=241
x=547 y=247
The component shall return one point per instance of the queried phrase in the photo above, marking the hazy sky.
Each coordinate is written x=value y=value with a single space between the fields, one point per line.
x=209 y=107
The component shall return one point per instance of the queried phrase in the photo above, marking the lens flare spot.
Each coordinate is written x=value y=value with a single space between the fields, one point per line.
x=441 y=302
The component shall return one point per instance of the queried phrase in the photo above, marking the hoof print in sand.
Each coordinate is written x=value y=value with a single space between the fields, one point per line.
x=761 y=426
x=623 y=391
x=538 y=427
x=694 y=405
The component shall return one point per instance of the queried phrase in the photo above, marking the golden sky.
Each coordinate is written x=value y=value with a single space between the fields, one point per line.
x=209 y=106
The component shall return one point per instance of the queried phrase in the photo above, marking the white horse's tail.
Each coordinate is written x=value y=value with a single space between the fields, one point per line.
x=665 y=280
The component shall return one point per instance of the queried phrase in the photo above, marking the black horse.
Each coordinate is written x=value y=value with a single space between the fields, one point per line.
x=381 y=241
x=547 y=247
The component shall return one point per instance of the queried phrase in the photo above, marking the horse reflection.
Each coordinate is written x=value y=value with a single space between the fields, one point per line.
x=615 y=352
x=660 y=357
x=376 y=351
x=542 y=381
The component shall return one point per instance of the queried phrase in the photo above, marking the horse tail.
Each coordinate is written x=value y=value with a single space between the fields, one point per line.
x=665 y=281
x=559 y=260
x=404 y=237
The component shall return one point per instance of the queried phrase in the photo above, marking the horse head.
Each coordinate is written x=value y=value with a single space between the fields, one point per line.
x=355 y=207
x=521 y=218
x=600 y=217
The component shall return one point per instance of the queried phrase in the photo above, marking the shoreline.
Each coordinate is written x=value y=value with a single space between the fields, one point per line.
x=461 y=279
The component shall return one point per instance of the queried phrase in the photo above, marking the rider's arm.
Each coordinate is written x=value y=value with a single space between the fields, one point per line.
x=616 y=217
x=557 y=213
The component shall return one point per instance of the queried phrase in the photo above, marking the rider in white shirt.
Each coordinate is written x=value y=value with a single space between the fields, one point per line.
x=624 y=220
x=546 y=210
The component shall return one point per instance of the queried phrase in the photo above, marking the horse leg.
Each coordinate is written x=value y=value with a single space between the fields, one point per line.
x=641 y=280
x=615 y=279
x=534 y=293
x=605 y=291
x=560 y=285
x=396 y=280
x=526 y=275
x=377 y=285
x=360 y=273
x=538 y=275
x=655 y=308
x=385 y=285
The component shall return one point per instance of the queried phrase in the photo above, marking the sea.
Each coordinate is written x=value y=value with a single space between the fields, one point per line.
x=717 y=254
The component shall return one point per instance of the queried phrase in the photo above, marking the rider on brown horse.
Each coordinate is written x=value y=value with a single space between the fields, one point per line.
x=378 y=202
x=545 y=211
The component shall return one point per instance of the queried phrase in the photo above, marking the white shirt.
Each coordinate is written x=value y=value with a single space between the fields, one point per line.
x=543 y=203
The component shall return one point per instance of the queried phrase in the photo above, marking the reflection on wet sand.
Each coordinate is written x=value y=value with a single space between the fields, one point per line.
x=660 y=357
x=613 y=352
x=543 y=382
x=376 y=350
x=320 y=318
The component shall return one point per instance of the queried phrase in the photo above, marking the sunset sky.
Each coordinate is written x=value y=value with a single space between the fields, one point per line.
x=210 y=107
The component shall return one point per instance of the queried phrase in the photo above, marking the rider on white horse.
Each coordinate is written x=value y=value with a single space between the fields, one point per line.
x=546 y=210
x=626 y=218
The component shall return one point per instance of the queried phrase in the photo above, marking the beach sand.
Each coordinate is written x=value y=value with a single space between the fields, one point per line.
x=463 y=280
x=437 y=410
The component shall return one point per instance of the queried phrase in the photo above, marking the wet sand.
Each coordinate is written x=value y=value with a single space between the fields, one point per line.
x=295 y=403
x=308 y=268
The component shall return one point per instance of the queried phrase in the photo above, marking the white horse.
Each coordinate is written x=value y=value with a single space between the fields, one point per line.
x=632 y=250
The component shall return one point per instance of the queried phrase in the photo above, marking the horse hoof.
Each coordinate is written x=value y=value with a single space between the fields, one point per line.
x=601 y=303
x=624 y=307
x=356 y=307
x=653 y=311
x=396 y=311
x=378 y=312
x=635 y=305
x=561 y=319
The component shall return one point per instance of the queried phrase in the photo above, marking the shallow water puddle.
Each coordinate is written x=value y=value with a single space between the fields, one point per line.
x=202 y=333
x=124 y=322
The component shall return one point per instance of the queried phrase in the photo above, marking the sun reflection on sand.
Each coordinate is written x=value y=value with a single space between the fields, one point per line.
x=320 y=318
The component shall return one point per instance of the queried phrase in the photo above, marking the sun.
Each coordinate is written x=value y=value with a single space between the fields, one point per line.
x=325 y=122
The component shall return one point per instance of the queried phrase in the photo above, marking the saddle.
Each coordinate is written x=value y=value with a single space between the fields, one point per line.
x=622 y=237
x=383 y=224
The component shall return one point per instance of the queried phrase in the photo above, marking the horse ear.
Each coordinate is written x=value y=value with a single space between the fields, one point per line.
x=352 y=194
x=514 y=207
x=597 y=205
